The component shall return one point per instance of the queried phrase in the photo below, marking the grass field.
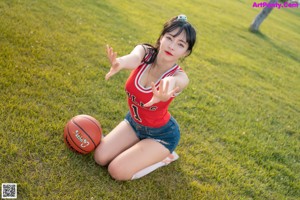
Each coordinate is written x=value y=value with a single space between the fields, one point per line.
x=239 y=117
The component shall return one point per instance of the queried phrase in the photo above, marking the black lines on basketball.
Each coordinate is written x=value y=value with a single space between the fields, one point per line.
x=73 y=121
x=98 y=125
x=82 y=134
x=78 y=146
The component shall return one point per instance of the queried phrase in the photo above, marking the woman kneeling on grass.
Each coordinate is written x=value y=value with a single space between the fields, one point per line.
x=148 y=136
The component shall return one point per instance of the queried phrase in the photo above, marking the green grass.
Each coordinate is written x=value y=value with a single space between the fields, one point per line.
x=239 y=116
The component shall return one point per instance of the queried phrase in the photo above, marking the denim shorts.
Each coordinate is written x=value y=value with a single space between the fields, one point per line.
x=167 y=135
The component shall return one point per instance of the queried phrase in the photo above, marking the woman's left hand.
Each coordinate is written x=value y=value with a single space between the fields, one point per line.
x=163 y=94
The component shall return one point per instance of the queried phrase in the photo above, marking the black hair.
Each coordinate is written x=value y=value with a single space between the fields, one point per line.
x=170 y=26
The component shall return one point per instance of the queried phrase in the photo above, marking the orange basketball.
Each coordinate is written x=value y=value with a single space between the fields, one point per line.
x=82 y=134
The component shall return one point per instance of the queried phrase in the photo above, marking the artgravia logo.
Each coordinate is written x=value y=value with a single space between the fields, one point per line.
x=84 y=142
x=291 y=4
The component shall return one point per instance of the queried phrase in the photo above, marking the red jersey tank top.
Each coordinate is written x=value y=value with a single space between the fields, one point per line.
x=156 y=115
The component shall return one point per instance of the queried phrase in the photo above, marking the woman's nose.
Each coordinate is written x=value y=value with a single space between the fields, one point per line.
x=171 y=45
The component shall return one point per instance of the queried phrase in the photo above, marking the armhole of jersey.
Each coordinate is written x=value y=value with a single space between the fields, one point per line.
x=146 y=58
x=144 y=49
x=179 y=69
x=147 y=53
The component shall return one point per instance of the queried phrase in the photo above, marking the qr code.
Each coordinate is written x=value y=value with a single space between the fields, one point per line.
x=9 y=190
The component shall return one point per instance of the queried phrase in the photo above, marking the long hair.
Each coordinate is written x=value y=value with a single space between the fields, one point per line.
x=169 y=26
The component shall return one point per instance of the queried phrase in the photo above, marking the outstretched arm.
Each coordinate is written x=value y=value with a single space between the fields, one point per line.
x=130 y=61
x=168 y=87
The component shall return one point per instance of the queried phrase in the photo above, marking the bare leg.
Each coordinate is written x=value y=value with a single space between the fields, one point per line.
x=143 y=154
x=118 y=140
x=171 y=158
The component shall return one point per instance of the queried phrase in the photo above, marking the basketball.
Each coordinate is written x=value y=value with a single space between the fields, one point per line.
x=82 y=134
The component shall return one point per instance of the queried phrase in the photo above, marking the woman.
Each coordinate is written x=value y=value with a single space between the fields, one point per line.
x=146 y=139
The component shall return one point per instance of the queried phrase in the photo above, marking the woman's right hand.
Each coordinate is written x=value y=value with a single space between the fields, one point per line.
x=115 y=65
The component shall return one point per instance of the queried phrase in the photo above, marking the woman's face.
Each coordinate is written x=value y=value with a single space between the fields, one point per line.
x=173 y=48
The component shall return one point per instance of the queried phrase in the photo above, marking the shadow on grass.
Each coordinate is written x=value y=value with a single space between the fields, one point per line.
x=168 y=182
x=280 y=49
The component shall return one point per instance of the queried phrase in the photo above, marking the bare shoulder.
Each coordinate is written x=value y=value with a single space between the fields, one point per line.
x=182 y=79
x=139 y=51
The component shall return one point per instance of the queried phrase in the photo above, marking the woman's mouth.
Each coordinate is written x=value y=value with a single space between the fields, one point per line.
x=168 y=53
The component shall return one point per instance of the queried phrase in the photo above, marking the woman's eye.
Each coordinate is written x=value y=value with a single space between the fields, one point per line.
x=181 y=45
x=169 y=38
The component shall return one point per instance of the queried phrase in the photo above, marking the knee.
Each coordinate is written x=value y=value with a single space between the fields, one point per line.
x=118 y=172
x=100 y=157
